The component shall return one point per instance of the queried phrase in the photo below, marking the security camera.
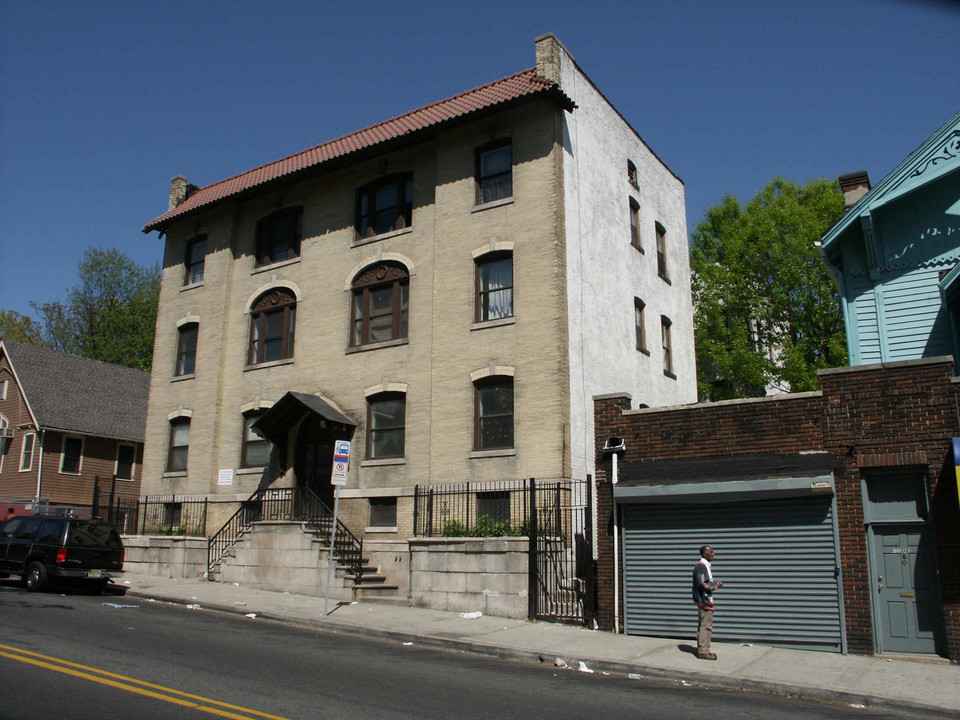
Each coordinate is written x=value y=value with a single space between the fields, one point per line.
x=615 y=444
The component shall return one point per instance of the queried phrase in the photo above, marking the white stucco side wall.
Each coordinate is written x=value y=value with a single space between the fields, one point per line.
x=605 y=272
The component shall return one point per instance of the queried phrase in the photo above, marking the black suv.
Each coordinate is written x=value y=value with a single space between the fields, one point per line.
x=40 y=547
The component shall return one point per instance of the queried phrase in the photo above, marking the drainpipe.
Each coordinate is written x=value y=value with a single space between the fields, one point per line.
x=614 y=446
x=39 y=471
x=616 y=553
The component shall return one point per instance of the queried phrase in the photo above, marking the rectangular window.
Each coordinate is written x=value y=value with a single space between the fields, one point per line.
x=494 y=413
x=187 y=349
x=26 y=452
x=635 y=224
x=494 y=172
x=386 y=420
x=256 y=450
x=667 y=349
x=126 y=458
x=179 y=445
x=662 y=252
x=494 y=287
x=278 y=236
x=71 y=455
x=5 y=442
x=494 y=505
x=385 y=205
x=3 y=389
x=383 y=512
x=632 y=173
x=196 y=256
x=638 y=321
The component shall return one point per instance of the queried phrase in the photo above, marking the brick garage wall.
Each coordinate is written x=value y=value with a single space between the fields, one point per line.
x=891 y=415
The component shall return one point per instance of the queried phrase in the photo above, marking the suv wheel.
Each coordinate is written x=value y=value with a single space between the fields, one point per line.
x=36 y=577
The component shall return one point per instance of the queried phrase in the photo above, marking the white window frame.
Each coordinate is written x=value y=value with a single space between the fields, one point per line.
x=29 y=458
x=3 y=389
x=133 y=465
x=63 y=455
x=3 y=441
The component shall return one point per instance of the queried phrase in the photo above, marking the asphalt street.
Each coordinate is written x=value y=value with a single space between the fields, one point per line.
x=70 y=655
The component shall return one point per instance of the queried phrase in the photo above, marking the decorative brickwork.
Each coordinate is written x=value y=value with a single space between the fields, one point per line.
x=879 y=416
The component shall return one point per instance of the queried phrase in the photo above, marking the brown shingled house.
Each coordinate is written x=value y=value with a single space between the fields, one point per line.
x=64 y=421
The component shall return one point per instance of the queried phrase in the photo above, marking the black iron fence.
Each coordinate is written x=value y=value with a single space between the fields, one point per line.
x=556 y=516
x=491 y=509
x=149 y=514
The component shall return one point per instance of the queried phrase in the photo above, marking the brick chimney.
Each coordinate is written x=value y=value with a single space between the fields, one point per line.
x=180 y=190
x=550 y=52
x=854 y=186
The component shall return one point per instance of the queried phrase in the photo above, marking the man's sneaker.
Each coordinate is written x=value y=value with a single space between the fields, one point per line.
x=707 y=656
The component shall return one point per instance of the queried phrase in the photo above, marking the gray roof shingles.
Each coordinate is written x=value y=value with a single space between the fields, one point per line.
x=79 y=395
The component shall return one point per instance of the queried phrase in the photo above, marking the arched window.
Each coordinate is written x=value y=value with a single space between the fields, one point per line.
x=494 y=286
x=272 y=326
x=380 y=304
x=493 y=412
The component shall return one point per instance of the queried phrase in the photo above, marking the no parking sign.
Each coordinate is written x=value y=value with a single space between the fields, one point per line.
x=341 y=462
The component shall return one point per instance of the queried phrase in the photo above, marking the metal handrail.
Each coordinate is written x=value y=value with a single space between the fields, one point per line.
x=299 y=504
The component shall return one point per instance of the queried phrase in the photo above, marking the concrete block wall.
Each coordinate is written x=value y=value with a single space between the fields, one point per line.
x=176 y=557
x=469 y=574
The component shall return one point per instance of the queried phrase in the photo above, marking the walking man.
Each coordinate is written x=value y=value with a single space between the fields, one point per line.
x=703 y=587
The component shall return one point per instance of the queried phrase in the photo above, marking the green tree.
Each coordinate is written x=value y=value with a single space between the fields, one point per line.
x=14 y=326
x=113 y=310
x=767 y=312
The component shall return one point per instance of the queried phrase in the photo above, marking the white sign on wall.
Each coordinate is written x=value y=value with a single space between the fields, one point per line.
x=225 y=477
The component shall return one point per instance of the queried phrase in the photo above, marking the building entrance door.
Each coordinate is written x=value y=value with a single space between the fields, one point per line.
x=903 y=575
x=313 y=462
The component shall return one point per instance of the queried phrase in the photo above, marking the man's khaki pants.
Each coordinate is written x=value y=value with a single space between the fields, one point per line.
x=704 y=630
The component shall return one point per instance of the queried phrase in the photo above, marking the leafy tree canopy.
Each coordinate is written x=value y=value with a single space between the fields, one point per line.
x=14 y=326
x=109 y=315
x=767 y=313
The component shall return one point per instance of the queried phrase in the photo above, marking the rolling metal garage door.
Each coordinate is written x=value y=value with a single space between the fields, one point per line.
x=777 y=559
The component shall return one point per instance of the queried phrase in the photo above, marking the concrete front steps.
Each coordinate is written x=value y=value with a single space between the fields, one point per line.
x=282 y=555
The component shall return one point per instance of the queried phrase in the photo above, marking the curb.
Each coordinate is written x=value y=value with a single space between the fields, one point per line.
x=705 y=680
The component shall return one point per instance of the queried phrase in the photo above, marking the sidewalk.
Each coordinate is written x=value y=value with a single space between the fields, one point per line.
x=894 y=683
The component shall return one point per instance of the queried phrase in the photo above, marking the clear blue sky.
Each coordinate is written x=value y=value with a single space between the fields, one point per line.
x=101 y=103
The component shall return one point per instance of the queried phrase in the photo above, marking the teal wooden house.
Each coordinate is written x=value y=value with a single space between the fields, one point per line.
x=896 y=256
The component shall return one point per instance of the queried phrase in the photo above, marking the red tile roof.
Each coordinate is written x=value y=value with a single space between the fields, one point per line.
x=514 y=87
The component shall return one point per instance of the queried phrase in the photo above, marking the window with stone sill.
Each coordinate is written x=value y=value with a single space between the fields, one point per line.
x=640 y=324
x=254 y=450
x=380 y=304
x=494 y=171
x=494 y=283
x=662 y=251
x=632 y=173
x=383 y=512
x=272 y=327
x=187 y=349
x=493 y=413
x=665 y=325
x=635 y=239
x=278 y=236
x=195 y=260
x=386 y=421
x=179 y=446
x=385 y=205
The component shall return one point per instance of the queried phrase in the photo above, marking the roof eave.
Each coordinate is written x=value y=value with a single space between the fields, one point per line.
x=162 y=223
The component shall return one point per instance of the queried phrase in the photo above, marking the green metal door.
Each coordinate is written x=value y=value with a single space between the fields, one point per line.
x=904 y=591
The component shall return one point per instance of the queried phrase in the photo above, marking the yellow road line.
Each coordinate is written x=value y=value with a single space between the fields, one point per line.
x=122 y=682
